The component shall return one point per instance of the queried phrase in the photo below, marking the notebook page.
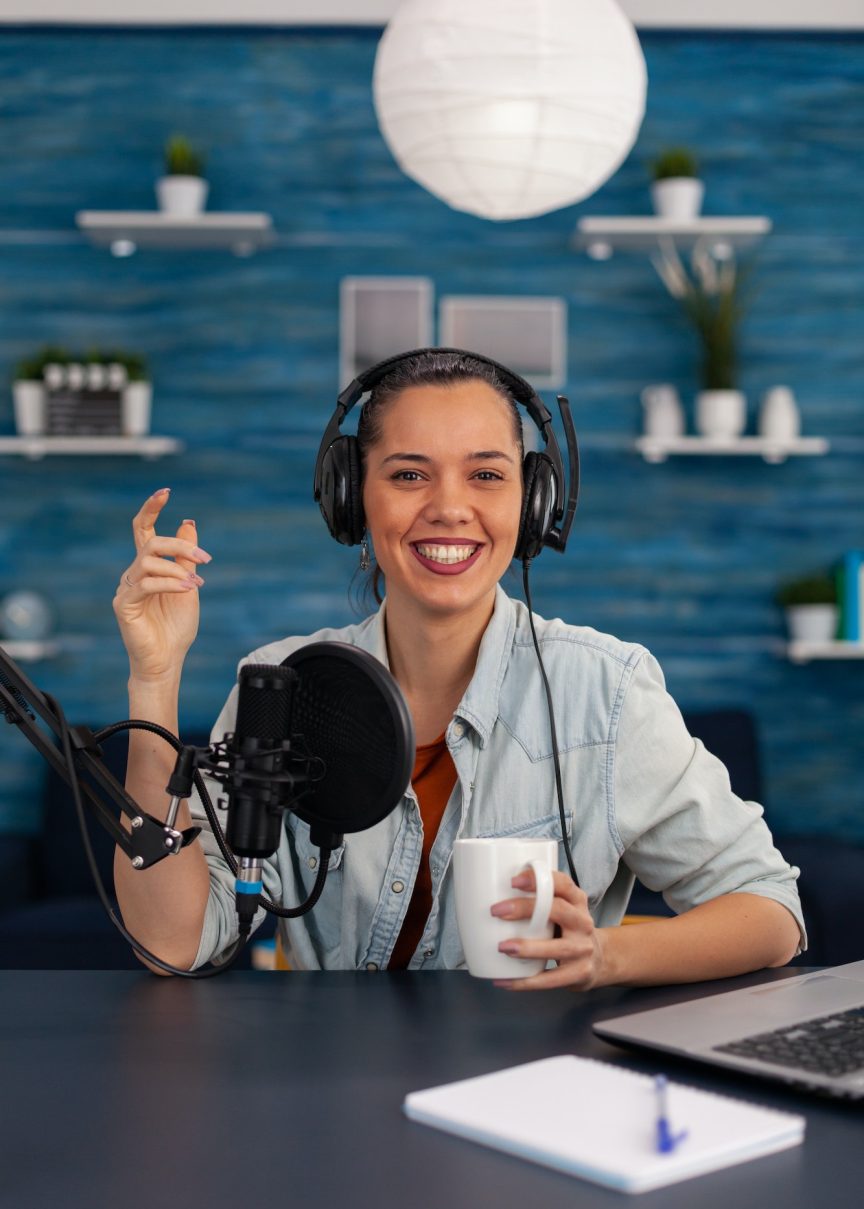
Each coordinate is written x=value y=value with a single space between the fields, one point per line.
x=598 y=1121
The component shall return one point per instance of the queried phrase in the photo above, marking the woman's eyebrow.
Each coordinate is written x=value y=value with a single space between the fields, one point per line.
x=482 y=455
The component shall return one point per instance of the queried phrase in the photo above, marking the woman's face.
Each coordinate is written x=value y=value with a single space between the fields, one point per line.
x=442 y=494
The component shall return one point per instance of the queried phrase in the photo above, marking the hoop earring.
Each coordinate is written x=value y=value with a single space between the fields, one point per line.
x=365 y=560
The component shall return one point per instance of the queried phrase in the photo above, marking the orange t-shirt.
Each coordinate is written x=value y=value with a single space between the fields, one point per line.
x=433 y=779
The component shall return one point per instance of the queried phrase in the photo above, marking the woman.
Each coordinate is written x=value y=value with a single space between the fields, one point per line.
x=441 y=465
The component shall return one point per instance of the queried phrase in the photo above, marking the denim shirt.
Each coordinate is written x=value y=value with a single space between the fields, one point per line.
x=642 y=797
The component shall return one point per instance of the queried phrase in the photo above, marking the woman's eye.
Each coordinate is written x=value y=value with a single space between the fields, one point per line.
x=406 y=476
x=489 y=476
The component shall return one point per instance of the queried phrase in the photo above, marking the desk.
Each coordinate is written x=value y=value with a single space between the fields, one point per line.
x=128 y=1091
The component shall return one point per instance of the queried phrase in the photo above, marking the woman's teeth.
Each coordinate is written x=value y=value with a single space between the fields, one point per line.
x=446 y=554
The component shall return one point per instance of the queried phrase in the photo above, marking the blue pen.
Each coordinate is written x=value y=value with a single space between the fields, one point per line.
x=666 y=1140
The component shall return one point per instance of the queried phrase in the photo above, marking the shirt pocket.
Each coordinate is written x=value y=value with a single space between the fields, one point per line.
x=546 y=828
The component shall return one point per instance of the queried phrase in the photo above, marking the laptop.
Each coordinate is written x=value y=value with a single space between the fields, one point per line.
x=806 y=1030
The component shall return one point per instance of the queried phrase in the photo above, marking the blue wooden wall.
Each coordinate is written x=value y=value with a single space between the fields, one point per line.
x=684 y=557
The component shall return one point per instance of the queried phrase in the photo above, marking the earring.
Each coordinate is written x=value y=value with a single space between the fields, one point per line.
x=365 y=561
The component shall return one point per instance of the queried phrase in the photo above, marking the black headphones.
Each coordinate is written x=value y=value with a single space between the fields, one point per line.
x=544 y=520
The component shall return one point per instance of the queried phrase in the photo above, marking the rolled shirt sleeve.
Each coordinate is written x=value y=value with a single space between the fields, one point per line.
x=681 y=829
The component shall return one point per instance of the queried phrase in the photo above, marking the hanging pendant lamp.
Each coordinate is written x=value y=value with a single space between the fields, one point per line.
x=509 y=108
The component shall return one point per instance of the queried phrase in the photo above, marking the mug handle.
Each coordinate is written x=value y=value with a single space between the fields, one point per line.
x=545 y=892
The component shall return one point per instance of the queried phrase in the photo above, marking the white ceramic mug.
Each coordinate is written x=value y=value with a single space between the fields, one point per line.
x=483 y=870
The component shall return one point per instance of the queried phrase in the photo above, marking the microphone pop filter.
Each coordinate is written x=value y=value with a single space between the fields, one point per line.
x=352 y=715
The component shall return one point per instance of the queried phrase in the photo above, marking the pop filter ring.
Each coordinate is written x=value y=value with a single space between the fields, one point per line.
x=395 y=711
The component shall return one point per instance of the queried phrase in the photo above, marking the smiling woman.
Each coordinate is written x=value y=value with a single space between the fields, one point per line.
x=437 y=479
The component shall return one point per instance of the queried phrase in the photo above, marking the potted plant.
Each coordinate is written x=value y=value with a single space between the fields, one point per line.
x=811 y=608
x=710 y=297
x=182 y=191
x=137 y=393
x=28 y=390
x=676 y=191
x=54 y=369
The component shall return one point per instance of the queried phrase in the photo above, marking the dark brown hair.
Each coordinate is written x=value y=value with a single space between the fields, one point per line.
x=429 y=368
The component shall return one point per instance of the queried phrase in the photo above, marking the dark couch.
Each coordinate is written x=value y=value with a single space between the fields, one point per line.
x=50 y=916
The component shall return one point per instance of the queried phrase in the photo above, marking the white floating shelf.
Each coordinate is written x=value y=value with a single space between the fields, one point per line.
x=124 y=231
x=658 y=449
x=600 y=237
x=803 y=652
x=28 y=649
x=40 y=447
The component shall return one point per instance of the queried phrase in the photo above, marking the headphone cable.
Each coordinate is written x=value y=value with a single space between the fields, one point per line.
x=526 y=562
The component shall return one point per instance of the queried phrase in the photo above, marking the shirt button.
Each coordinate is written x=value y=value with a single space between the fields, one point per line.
x=397 y=887
x=312 y=862
x=458 y=730
x=428 y=952
x=433 y=869
x=372 y=966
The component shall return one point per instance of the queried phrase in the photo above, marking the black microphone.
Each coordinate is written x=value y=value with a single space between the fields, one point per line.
x=259 y=788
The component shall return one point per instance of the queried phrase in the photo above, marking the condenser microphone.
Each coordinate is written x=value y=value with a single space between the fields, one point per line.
x=258 y=791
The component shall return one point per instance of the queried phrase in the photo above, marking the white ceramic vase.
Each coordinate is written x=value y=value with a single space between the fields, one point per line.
x=182 y=196
x=721 y=415
x=812 y=623
x=28 y=398
x=663 y=415
x=778 y=416
x=677 y=197
x=135 y=408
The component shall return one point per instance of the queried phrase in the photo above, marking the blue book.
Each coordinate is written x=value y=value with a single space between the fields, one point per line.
x=850 y=602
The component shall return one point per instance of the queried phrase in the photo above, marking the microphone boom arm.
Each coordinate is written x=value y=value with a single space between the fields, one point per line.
x=21 y=702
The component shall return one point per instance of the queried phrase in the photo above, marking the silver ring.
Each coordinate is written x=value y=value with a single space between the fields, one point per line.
x=128 y=580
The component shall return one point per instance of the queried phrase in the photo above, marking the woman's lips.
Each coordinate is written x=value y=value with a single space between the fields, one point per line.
x=455 y=551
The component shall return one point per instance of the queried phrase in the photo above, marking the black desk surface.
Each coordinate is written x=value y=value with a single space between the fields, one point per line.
x=131 y=1091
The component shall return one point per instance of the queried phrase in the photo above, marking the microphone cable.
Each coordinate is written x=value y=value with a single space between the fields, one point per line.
x=526 y=563
x=216 y=827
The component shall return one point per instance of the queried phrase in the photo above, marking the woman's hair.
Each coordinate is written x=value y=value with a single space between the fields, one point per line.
x=430 y=368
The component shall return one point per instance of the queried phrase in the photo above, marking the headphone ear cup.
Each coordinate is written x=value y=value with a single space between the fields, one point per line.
x=538 y=505
x=341 y=500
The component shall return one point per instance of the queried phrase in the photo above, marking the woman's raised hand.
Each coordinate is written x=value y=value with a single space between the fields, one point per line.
x=156 y=602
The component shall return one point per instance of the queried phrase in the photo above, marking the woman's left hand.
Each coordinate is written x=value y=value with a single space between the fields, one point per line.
x=577 y=945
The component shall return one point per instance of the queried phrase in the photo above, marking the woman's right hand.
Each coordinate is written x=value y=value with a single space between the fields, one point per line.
x=156 y=602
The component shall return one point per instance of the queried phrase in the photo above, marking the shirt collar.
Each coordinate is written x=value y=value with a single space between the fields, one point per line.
x=372 y=637
x=479 y=705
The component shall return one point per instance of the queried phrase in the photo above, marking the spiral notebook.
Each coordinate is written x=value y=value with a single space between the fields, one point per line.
x=599 y=1121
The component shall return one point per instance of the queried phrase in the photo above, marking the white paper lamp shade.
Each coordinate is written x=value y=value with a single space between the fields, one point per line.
x=509 y=108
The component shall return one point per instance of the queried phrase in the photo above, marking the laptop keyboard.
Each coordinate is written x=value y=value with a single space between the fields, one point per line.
x=831 y=1045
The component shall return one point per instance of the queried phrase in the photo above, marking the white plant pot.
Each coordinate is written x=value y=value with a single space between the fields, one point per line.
x=677 y=197
x=721 y=414
x=28 y=398
x=182 y=196
x=135 y=408
x=812 y=623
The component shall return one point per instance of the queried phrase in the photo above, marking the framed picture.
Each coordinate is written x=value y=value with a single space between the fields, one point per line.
x=528 y=335
x=379 y=317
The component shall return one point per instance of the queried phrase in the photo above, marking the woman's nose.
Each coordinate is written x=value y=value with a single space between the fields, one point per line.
x=449 y=502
